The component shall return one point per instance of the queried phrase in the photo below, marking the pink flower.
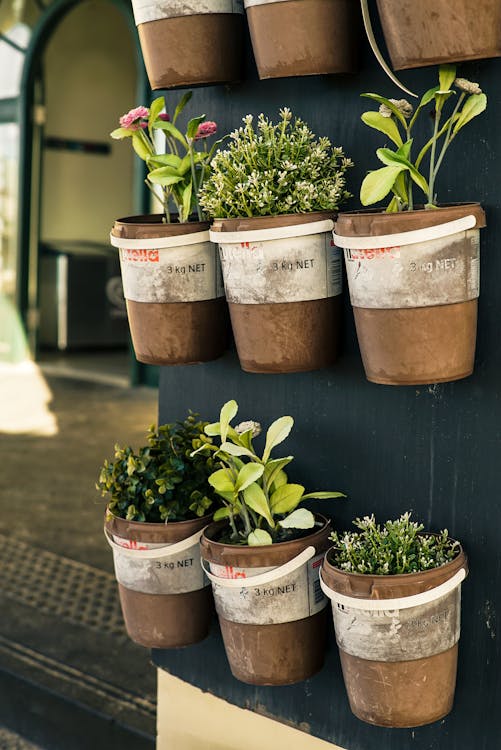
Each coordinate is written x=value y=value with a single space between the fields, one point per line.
x=164 y=116
x=130 y=120
x=206 y=129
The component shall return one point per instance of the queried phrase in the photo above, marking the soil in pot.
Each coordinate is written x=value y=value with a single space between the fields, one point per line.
x=274 y=632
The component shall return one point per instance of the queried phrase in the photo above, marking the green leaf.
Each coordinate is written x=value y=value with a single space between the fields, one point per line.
x=300 y=519
x=165 y=160
x=213 y=429
x=272 y=469
x=237 y=450
x=187 y=194
x=286 y=498
x=182 y=104
x=140 y=146
x=280 y=479
x=256 y=500
x=394 y=205
x=228 y=412
x=185 y=164
x=171 y=130
x=385 y=125
x=391 y=159
x=473 y=106
x=164 y=176
x=259 y=538
x=376 y=185
x=322 y=495
x=222 y=481
x=248 y=474
x=156 y=107
x=389 y=104
x=446 y=77
x=120 y=133
x=193 y=124
x=221 y=513
x=277 y=433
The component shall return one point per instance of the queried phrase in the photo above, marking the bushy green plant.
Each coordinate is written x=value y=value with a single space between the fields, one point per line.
x=162 y=481
x=396 y=547
x=275 y=169
x=396 y=120
x=260 y=504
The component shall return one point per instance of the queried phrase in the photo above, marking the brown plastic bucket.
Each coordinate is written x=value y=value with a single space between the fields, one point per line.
x=433 y=32
x=414 y=299
x=385 y=687
x=303 y=37
x=283 y=283
x=192 y=43
x=274 y=632
x=174 y=294
x=153 y=617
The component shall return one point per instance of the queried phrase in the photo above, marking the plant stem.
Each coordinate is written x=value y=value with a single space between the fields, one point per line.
x=194 y=178
x=431 y=183
x=245 y=515
x=448 y=139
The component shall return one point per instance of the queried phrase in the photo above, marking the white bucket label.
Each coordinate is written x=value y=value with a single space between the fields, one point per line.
x=292 y=597
x=188 y=273
x=294 y=269
x=399 y=635
x=156 y=10
x=175 y=574
x=436 y=272
x=250 y=3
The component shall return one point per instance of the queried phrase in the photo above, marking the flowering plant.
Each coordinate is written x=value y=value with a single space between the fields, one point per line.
x=396 y=120
x=397 y=547
x=260 y=504
x=181 y=170
x=275 y=169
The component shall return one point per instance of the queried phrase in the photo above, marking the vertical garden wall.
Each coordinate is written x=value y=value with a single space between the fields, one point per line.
x=432 y=449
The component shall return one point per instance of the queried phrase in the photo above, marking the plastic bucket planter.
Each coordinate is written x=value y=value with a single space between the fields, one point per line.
x=166 y=598
x=398 y=640
x=173 y=290
x=190 y=42
x=283 y=281
x=428 y=32
x=271 y=609
x=303 y=37
x=414 y=283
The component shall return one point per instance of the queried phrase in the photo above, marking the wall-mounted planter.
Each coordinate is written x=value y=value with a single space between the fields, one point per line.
x=303 y=37
x=398 y=640
x=190 y=42
x=173 y=290
x=166 y=598
x=431 y=32
x=414 y=286
x=270 y=607
x=283 y=279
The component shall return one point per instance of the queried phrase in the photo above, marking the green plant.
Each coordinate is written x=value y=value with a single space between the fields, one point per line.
x=260 y=504
x=397 y=547
x=181 y=171
x=275 y=169
x=396 y=120
x=162 y=481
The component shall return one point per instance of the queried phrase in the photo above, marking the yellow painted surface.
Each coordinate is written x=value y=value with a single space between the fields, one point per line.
x=189 y=719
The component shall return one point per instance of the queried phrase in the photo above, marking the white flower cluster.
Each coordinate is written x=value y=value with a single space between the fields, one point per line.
x=275 y=169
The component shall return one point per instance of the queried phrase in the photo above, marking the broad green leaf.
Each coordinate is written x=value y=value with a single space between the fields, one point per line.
x=213 y=429
x=385 y=125
x=141 y=147
x=222 y=481
x=446 y=77
x=400 y=188
x=277 y=433
x=376 y=185
x=162 y=170
x=156 y=107
x=405 y=148
x=273 y=467
x=248 y=474
x=187 y=195
x=237 y=450
x=182 y=104
x=171 y=130
x=185 y=164
x=389 y=104
x=322 y=495
x=394 y=205
x=192 y=128
x=473 y=106
x=256 y=500
x=280 y=479
x=120 y=133
x=164 y=176
x=391 y=159
x=300 y=519
x=166 y=160
x=228 y=412
x=259 y=538
x=221 y=513
x=286 y=498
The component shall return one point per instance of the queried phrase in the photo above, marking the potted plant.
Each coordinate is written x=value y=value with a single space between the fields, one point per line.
x=303 y=37
x=190 y=43
x=433 y=33
x=263 y=554
x=273 y=194
x=413 y=271
x=159 y=502
x=170 y=269
x=396 y=603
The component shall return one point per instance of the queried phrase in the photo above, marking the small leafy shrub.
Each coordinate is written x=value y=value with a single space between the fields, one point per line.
x=275 y=169
x=162 y=481
x=396 y=547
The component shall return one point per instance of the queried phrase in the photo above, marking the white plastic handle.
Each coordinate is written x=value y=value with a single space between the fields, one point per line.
x=404 y=602
x=405 y=238
x=277 y=233
x=154 y=554
x=159 y=243
x=262 y=578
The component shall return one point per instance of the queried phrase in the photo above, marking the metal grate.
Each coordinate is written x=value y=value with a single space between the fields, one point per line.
x=58 y=586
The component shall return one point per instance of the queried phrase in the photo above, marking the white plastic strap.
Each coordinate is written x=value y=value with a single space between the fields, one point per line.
x=277 y=233
x=262 y=578
x=159 y=552
x=158 y=243
x=404 y=602
x=405 y=238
